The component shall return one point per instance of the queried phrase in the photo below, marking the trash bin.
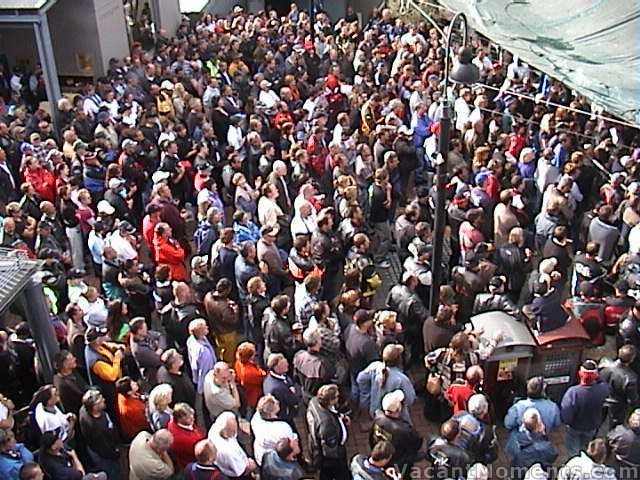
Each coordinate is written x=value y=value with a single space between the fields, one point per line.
x=507 y=369
x=558 y=357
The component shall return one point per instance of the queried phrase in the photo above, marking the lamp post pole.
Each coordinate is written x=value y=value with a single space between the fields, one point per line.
x=440 y=213
x=441 y=172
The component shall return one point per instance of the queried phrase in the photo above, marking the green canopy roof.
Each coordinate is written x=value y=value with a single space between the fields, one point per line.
x=591 y=45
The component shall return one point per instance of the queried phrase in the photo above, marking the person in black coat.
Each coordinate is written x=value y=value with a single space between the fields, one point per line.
x=8 y=180
x=101 y=434
x=559 y=247
x=439 y=330
x=407 y=155
x=59 y=463
x=112 y=195
x=224 y=264
x=624 y=443
x=389 y=425
x=448 y=459
x=327 y=435
x=623 y=386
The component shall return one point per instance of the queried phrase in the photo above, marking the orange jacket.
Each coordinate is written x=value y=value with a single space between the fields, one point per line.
x=250 y=376
x=170 y=252
x=131 y=415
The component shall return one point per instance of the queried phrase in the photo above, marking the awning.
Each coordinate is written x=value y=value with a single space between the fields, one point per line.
x=593 y=46
x=192 y=6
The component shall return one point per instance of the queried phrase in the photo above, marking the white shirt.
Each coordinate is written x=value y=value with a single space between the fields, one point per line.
x=309 y=105
x=122 y=246
x=231 y=458
x=485 y=65
x=268 y=98
x=48 y=421
x=583 y=468
x=268 y=211
x=235 y=138
x=634 y=239
x=267 y=434
x=95 y=313
x=303 y=226
x=209 y=94
x=96 y=246
x=91 y=105
x=462 y=113
x=546 y=174
x=112 y=106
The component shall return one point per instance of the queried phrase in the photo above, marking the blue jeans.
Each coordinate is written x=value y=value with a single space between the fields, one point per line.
x=577 y=440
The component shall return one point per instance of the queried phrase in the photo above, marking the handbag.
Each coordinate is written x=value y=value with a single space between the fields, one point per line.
x=434 y=384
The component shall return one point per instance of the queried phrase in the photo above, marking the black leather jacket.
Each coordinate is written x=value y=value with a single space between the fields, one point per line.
x=486 y=302
x=311 y=371
x=325 y=434
x=628 y=330
x=623 y=384
x=411 y=310
x=277 y=335
x=625 y=444
x=449 y=460
x=402 y=435
x=326 y=249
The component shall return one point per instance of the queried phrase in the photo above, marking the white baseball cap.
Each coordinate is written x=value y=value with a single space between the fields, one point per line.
x=105 y=207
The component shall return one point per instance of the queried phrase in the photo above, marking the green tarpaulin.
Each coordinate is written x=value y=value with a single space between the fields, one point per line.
x=591 y=45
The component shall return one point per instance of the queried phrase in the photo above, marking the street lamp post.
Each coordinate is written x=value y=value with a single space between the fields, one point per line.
x=467 y=73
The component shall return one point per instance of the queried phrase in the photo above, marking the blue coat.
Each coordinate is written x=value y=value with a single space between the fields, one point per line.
x=528 y=448
x=371 y=392
x=10 y=467
x=549 y=412
x=280 y=388
x=581 y=406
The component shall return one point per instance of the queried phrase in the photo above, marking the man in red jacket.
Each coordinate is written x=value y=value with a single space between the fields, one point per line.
x=185 y=434
x=460 y=390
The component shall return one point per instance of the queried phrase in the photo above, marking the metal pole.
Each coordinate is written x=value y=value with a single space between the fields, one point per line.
x=37 y=313
x=48 y=64
x=440 y=213
x=441 y=172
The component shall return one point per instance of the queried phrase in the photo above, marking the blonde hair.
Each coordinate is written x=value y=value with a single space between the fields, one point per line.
x=268 y=406
x=386 y=318
x=160 y=392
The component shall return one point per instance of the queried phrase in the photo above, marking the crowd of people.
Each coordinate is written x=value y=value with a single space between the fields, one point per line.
x=216 y=218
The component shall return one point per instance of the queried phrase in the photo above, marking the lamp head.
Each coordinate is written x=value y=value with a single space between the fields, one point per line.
x=464 y=71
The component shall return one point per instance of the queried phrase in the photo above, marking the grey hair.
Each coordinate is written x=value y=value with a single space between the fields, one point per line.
x=162 y=439
x=478 y=405
x=531 y=418
x=311 y=337
x=195 y=324
x=478 y=471
x=634 y=419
